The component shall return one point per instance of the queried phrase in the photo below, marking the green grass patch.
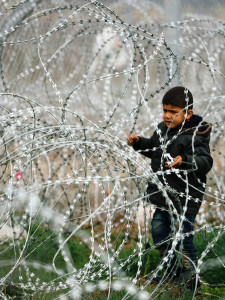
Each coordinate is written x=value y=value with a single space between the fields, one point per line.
x=43 y=245
x=213 y=268
x=39 y=253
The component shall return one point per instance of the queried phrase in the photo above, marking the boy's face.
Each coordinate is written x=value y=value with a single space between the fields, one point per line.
x=174 y=116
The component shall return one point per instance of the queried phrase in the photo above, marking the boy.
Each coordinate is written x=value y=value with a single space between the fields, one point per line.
x=180 y=158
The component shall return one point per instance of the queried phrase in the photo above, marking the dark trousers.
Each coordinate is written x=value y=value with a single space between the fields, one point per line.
x=164 y=229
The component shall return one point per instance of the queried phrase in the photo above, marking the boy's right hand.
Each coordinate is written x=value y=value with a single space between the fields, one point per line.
x=132 y=139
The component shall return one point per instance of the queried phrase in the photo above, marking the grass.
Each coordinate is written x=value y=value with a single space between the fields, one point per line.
x=103 y=295
x=42 y=249
x=213 y=270
x=44 y=245
x=173 y=294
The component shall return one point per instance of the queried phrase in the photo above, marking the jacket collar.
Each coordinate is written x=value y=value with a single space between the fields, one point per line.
x=194 y=121
x=195 y=124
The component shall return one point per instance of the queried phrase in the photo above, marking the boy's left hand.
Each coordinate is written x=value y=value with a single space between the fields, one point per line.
x=177 y=161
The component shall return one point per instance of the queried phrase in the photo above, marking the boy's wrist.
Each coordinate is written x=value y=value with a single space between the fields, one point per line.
x=184 y=160
x=137 y=143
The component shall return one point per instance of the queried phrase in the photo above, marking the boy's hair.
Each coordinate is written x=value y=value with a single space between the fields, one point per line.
x=178 y=96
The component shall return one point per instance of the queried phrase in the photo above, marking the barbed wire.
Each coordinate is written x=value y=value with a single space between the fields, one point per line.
x=77 y=78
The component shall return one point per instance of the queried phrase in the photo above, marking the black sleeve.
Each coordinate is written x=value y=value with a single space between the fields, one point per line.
x=197 y=156
x=145 y=145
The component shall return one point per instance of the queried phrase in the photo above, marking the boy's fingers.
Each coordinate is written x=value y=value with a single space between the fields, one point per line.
x=174 y=164
x=177 y=162
x=131 y=139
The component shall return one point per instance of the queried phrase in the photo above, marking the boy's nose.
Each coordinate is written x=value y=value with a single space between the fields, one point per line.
x=167 y=115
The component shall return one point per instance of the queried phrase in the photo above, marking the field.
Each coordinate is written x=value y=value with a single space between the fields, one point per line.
x=42 y=247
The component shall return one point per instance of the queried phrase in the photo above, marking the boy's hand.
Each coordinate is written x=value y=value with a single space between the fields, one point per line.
x=177 y=161
x=132 y=139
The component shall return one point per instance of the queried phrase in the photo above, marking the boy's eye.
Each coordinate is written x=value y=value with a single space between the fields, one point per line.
x=170 y=111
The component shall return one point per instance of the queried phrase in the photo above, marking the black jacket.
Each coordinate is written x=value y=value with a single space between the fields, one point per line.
x=192 y=143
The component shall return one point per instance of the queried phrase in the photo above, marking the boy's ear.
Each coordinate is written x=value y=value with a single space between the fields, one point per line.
x=189 y=114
